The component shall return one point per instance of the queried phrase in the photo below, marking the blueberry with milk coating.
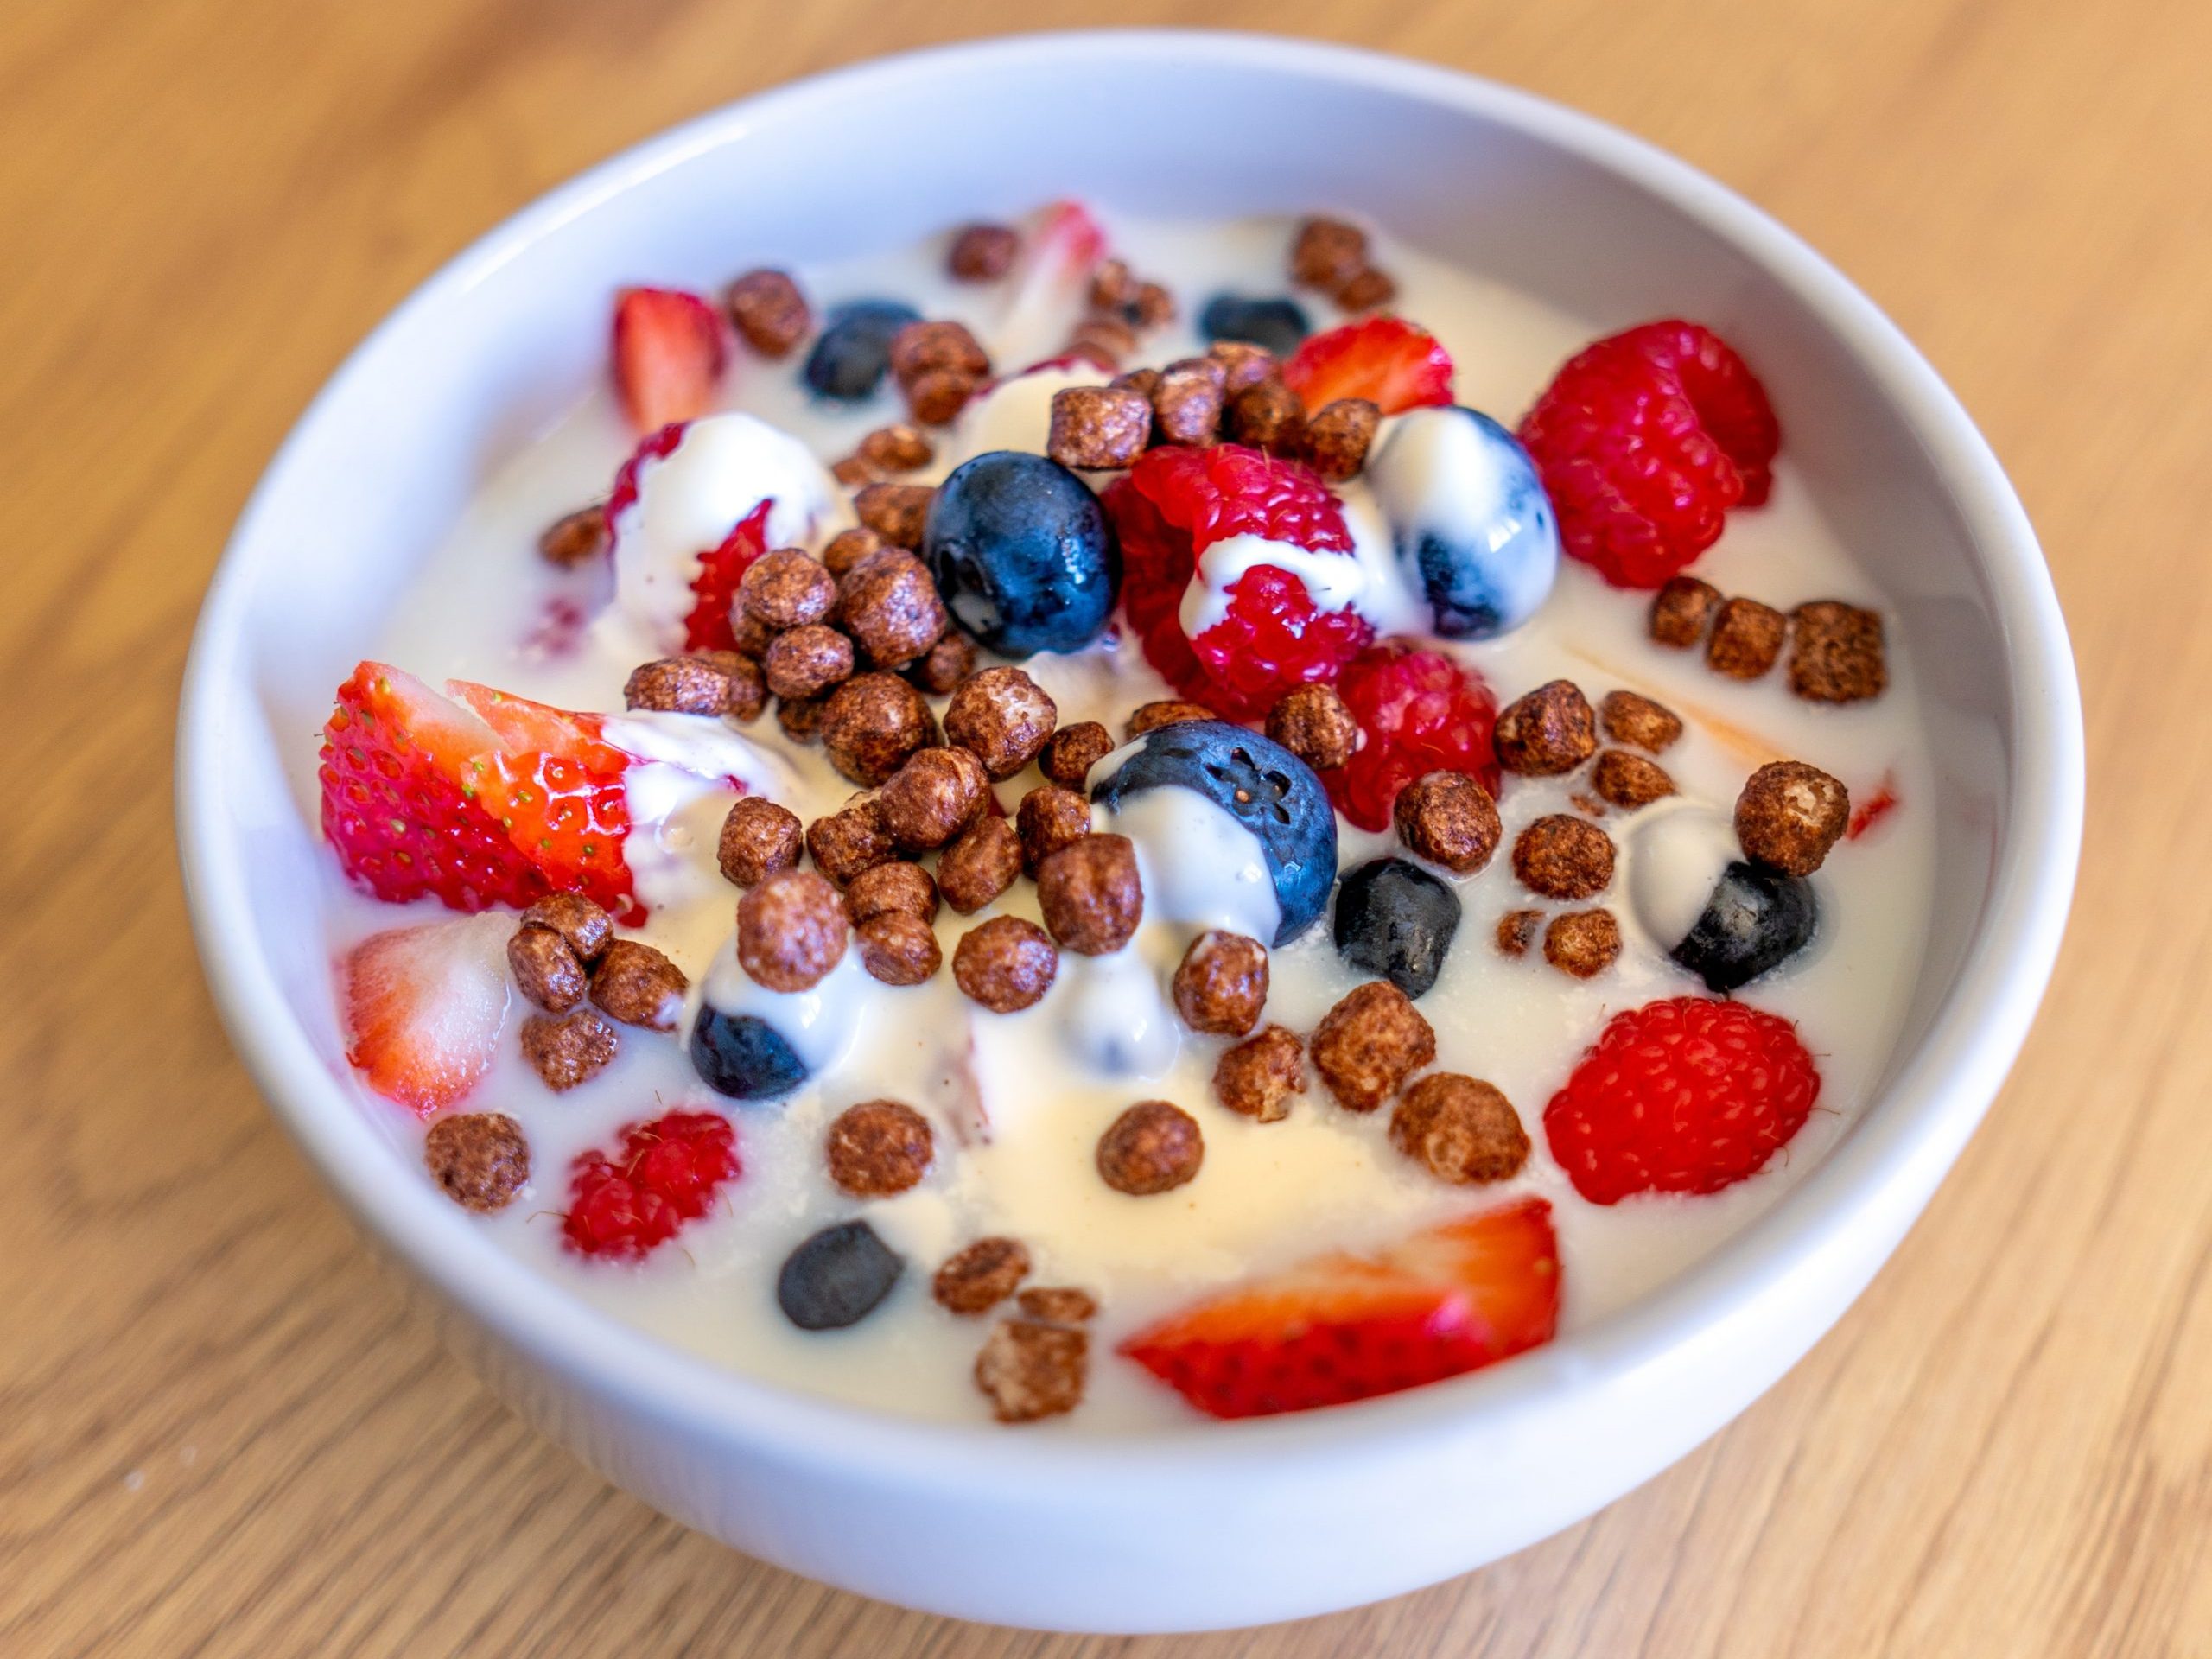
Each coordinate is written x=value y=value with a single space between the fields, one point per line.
x=1023 y=553
x=1723 y=917
x=1269 y=791
x=1469 y=518
x=744 y=1056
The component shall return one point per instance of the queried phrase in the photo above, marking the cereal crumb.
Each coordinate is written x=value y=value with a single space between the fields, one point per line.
x=1516 y=931
x=1032 y=1371
x=1631 y=717
x=979 y=1276
x=1629 y=781
x=1058 y=1304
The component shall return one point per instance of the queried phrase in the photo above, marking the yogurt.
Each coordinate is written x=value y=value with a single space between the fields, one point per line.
x=1019 y=1101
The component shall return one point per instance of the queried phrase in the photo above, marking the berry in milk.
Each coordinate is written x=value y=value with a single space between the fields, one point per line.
x=1084 y=824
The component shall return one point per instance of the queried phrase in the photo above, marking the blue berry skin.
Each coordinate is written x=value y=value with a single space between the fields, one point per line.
x=1279 y=325
x=743 y=1057
x=1757 y=920
x=1396 y=920
x=837 y=1277
x=1262 y=786
x=853 y=353
x=1469 y=519
x=1023 y=553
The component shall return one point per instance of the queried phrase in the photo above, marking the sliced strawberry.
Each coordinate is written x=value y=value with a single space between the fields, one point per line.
x=403 y=775
x=424 y=1007
x=668 y=354
x=1344 y=1327
x=556 y=787
x=1386 y=360
x=708 y=626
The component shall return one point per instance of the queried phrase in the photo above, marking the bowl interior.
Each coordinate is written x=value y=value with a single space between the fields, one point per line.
x=505 y=338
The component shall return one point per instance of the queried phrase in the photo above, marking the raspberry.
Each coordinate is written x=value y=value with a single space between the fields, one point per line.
x=1173 y=504
x=1418 y=712
x=666 y=1173
x=1686 y=1095
x=1644 y=441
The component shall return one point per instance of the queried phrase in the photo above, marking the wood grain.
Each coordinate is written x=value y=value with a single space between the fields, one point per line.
x=222 y=1433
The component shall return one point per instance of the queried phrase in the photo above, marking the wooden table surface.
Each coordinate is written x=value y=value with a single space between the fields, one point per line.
x=222 y=1433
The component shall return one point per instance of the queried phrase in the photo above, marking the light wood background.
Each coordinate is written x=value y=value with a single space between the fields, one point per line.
x=221 y=1434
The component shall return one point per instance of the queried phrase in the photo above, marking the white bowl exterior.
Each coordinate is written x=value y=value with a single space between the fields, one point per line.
x=1222 y=1524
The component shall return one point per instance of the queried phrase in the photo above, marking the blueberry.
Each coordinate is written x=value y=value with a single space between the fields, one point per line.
x=837 y=1277
x=1266 y=788
x=744 y=1056
x=1023 y=553
x=1469 y=518
x=1396 y=920
x=849 y=361
x=1277 y=324
x=1757 y=920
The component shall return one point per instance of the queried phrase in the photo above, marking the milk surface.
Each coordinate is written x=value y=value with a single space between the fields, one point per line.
x=1018 y=1101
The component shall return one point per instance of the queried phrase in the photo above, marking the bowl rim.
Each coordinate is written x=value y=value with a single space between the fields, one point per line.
x=1905 y=1138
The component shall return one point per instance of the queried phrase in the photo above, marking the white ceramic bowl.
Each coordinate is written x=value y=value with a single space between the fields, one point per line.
x=1219 y=1524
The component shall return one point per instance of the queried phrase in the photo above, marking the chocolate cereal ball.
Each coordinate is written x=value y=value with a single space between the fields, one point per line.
x=1564 y=857
x=1090 y=894
x=1003 y=716
x=1448 y=818
x=1256 y=1078
x=932 y=798
x=759 y=838
x=1550 y=731
x=1316 y=725
x=871 y=724
x=1790 y=815
x=1153 y=1148
x=480 y=1159
x=1006 y=963
x=1221 y=984
x=1370 y=1042
x=889 y=604
x=899 y=949
x=1460 y=1130
x=791 y=931
x=878 y=1148
x=980 y=865
x=1067 y=758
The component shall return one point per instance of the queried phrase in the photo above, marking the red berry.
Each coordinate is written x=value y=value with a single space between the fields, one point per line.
x=1387 y=361
x=424 y=1007
x=1175 y=503
x=1686 y=1095
x=669 y=353
x=1645 y=441
x=654 y=446
x=664 y=1174
x=1418 y=712
x=497 y=803
x=1348 y=1327
x=721 y=569
x=403 y=777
